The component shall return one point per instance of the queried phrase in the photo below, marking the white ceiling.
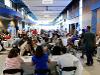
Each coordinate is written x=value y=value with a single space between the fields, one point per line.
x=46 y=11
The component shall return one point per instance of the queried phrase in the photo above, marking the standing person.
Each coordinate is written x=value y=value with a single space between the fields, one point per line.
x=1 y=43
x=81 y=42
x=89 y=41
x=40 y=60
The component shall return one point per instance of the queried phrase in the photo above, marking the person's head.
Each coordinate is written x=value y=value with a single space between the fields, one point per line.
x=20 y=35
x=39 y=51
x=88 y=28
x=34 y=41
x=63 y=51
x=83 y=30
x=55 y=36
x=59 y=42
x=13 y=53
x=16 y=48
x=45 y=48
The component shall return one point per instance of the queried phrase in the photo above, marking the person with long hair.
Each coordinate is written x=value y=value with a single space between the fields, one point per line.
x=13 y=60
x=40 y=60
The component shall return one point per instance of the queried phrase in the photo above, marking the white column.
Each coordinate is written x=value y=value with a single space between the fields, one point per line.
x=80 y=13
x=8 y=3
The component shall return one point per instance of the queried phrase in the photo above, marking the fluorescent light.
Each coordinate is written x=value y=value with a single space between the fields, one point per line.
x=47 y=1
x=43 y=21
x=46 y=16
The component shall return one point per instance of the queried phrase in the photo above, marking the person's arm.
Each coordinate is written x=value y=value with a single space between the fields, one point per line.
x=49 y=61
x=79 y=66
x=47 y=58
x=59 y=66
x=94 y=41
x=20 y=60
x=33 y=61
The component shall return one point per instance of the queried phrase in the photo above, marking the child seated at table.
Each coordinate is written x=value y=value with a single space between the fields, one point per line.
x=40 y=60
x=13 y=60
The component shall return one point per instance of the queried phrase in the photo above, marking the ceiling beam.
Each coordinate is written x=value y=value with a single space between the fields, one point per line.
x=47 y=6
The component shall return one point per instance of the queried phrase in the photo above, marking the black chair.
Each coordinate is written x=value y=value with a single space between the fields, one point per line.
x=13 y=71
x=69 y=69
x=43 y=71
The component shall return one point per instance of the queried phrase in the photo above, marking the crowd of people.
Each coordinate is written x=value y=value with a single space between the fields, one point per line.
x=41 y=46
x=4 y=35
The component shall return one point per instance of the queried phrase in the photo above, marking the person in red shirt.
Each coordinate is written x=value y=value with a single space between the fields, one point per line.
x=34 y=32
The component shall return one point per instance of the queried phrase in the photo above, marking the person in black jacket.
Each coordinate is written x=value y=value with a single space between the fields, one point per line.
x=89 y=41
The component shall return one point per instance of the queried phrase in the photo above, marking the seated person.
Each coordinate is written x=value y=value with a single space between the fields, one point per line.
x=68 y=60
x=24 y=49
x=13 y=60
x=59 y=42
x=34 y=44
x=46 y=50
x=40 y=60
x=70 y=46
x=69 y=42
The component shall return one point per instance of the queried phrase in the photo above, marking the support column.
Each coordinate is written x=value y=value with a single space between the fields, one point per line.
x=80 y=13
x=94 y=20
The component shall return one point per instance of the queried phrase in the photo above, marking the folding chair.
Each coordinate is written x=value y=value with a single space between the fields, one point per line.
x=69 y=69
x=43 y=71
x=13 y=71
x=66 y=69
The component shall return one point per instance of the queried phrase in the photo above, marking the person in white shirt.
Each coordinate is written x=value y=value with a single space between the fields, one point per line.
x=67 y=60
x=29 y=33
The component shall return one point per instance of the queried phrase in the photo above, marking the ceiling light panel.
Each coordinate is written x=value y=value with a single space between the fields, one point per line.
x=47 y=1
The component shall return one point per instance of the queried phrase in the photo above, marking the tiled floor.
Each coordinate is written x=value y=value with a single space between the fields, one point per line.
x=92 y=70
x=2 y=59
x=3 y=55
